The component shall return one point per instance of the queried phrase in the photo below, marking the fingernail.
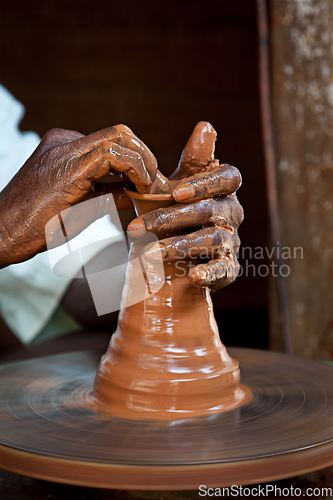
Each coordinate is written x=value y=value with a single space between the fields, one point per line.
x=183 y=193
x=154 y=252
x=136 y=228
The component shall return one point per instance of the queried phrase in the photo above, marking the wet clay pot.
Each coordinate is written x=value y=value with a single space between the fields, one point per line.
x=165 y=359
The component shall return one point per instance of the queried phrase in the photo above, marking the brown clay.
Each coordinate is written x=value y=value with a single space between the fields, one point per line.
x=165 y=359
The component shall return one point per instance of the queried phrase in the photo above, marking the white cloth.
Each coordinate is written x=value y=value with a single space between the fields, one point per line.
x=29 y=291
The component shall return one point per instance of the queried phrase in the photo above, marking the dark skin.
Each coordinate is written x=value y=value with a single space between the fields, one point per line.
x=63 y=171
x=206 y=196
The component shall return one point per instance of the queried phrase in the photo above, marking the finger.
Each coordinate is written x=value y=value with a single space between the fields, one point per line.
x=108 y=155
x=221 y=180
x=169 y=219
x=124 y=137
x=198 y=152
x=161 y=184
x=217 y=273
x=203 y=243
x=224 y=212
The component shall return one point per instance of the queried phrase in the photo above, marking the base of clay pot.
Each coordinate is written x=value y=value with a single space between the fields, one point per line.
x=161 y=396
x=166 y=359
x=168 y=366
x=228 y=400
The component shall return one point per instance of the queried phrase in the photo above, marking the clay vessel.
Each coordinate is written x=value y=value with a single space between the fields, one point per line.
x=165 y=359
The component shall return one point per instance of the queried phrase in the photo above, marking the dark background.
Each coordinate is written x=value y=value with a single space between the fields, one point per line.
x=159 y=67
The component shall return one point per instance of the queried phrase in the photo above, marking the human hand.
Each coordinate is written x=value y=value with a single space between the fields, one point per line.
x=206 y=195
x=59 y=174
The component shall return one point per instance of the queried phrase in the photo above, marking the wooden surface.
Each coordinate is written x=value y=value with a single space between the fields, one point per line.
x=302 y=79
x=16 y=487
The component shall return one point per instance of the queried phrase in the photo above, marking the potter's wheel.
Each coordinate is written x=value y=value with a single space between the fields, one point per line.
x=48 y=432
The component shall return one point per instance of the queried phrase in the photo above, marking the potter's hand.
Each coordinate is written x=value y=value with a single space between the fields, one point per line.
x=59 y=174
x=208 y=189
x=218 y=241
x=198 y=175
x=196 y=161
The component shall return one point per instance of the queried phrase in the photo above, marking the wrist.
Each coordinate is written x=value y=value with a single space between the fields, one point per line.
x=6 y=240
x=10 y=249
x=7 y=245
x=5 y=256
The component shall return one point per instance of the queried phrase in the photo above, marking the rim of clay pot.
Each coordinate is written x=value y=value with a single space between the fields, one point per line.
x=149 y=196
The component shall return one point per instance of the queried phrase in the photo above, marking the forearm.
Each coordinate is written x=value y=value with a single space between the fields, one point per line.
x=11 y=252
x=8 y=250
x=16 y=243
x=6 y=244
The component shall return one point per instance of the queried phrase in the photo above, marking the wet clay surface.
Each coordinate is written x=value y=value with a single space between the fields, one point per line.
x=165 y=359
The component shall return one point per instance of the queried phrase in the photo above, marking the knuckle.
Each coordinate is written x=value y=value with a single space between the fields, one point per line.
x=121 y=133
x=51 y=134
x=121 y=129
x=106 y=133
x=216 y=235
x=108 y=146
x=156 y=221
x=206 y=209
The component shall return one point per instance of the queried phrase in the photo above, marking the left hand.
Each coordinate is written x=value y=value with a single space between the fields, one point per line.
x=206 y=197
x=59 y=175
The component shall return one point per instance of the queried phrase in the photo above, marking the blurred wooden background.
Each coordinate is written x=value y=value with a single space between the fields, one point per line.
x=302 y=101
x=160 y=67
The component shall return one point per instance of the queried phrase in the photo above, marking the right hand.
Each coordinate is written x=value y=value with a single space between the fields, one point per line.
x=206 y=197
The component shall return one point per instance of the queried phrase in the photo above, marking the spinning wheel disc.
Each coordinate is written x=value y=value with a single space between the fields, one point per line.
x=48 y=431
